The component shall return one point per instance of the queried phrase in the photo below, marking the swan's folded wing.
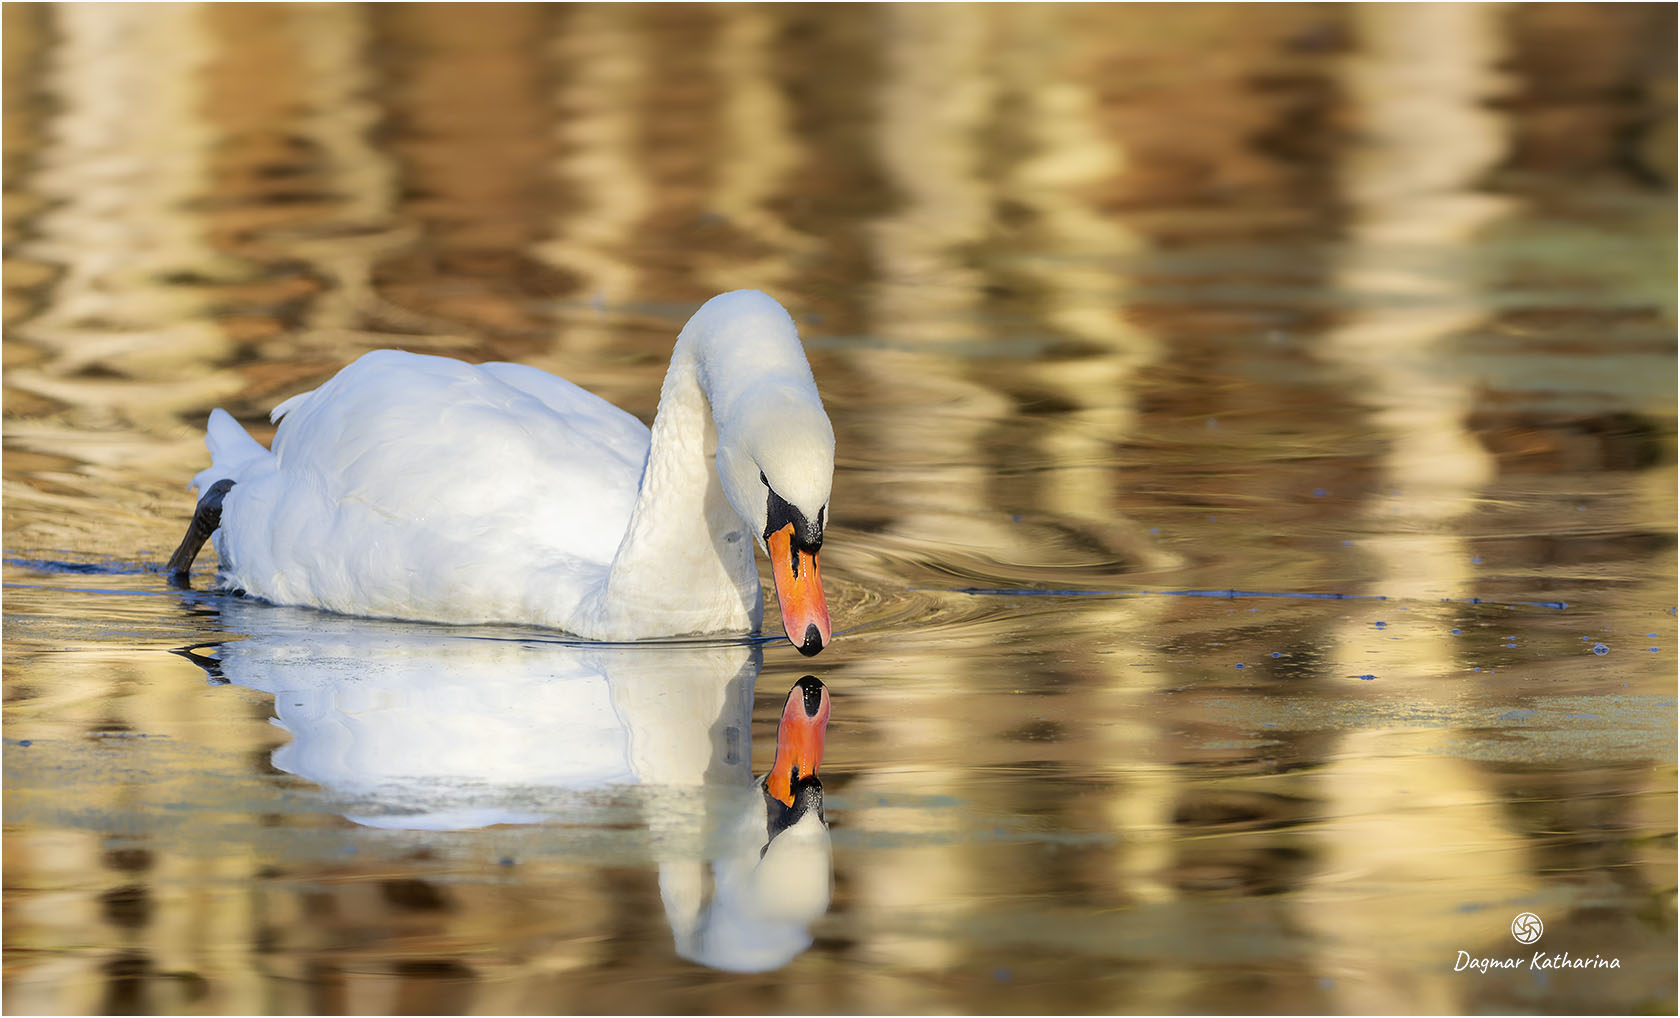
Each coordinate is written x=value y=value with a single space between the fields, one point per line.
x=606 y=425
x=471 y=452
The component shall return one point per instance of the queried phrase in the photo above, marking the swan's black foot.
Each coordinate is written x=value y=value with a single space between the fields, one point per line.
x=206 y=518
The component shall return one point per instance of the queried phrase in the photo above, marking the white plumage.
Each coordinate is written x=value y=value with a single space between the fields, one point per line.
x=420 y=487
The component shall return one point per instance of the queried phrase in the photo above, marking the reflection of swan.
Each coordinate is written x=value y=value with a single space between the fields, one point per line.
x=420 y=487
x=773 y=879
x=428 y=728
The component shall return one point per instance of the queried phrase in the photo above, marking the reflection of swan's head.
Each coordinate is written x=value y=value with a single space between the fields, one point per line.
x=795 y=859
x=777 y=878
x=775 y=455
x=792 y=781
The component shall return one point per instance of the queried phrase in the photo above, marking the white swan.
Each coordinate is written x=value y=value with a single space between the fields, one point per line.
x=418 y=487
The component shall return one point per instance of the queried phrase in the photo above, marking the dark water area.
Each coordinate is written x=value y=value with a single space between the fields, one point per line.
x=1252 y=547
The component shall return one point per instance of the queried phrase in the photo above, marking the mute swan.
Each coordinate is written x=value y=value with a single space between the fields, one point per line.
x=418 y=487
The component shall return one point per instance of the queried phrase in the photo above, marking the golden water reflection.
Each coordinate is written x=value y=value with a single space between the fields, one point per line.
x=1374 y=300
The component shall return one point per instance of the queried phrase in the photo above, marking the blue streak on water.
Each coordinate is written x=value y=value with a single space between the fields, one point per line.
x=109 y=567
x=1221 y=594
x=89 y=590
x=115 y=567
x=721 y=640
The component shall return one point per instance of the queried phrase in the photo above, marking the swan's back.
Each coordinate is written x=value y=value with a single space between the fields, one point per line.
x=422 y=487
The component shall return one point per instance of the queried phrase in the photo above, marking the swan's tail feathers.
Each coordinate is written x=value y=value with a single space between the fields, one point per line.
x=287 y=404
x=233 y=452
x=206 y=518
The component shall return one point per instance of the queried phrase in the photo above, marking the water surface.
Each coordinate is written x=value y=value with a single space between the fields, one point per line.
x=1252 y=555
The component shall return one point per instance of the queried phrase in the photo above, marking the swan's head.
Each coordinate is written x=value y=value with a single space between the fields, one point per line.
x=776 y=461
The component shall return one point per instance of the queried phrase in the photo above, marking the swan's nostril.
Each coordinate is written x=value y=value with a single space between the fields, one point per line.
x=812 y=642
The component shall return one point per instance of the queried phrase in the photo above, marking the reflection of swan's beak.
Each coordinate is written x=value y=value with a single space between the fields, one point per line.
x=778 y=875
x=799 y=589
x=799 y=744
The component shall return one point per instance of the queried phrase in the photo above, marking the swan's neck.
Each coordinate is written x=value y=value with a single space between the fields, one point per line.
x=686 y=558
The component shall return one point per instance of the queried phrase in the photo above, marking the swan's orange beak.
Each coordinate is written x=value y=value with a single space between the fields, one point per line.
x=799 y=738
x=799 y=589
